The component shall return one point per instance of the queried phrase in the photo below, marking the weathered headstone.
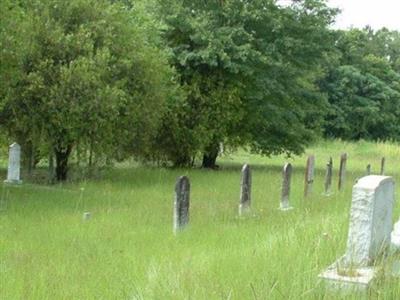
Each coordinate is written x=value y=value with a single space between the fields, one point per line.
x=245 y=190
x=368 y=169
x=309 y=175
x=328 y=177
x=342 y=171
x=181 y=203
x=14 y=164
x=369 y=234
x=286 y=181
x=383 y=166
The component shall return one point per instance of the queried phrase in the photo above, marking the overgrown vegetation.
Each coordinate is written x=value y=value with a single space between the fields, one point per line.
x=127 y=249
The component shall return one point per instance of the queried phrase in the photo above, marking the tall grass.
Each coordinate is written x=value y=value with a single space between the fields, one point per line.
x=127 y=249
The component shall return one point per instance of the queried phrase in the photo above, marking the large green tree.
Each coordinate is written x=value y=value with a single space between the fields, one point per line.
x=248 y=69
x=363 y=86
x=90 y=77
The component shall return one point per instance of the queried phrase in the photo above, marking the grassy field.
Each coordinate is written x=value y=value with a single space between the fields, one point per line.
x=128 y=251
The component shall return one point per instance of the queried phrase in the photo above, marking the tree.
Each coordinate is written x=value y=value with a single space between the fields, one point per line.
x=90 y=77
x=363 y=86
x=248 y=69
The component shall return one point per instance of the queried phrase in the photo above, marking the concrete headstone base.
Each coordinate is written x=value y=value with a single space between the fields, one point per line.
x=285 y=208
x=7 y=181
x=359 y=282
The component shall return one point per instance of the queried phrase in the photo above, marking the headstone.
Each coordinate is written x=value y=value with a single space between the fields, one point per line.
x=368 y=169
x=245 y=190
x=328 y=177
x=221 y=148
x=181 y=203
x=369 y=234
x=286 y=181
x=395 y=237
x=383 y=166
x=14 y=164
x=86 y=216
x=342 y=171
x=309 y=176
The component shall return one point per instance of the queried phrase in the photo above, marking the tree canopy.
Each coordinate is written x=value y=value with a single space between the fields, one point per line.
x=172 y=80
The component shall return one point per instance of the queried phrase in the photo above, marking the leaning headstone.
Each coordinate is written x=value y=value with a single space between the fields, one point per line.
x=383 y=166
x=181 y=203
x=369 y=234
x=368 y=169
x=286 y=181
x=245 y=190
x=14 y=164
x=342 y=171
x=309 y=176
x=328 y=177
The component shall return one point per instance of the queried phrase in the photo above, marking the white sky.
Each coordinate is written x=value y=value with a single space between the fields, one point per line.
x=376 y=13
x=360 y=13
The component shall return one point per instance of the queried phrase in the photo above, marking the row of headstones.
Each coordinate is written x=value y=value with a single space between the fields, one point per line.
x=183 y=187
x=14 y=167
x=370 y=234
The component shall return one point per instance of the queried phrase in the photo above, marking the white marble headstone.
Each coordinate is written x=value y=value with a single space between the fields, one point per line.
x=14 y=164
x=369 y=235
x=395 y=237
x=370 y=220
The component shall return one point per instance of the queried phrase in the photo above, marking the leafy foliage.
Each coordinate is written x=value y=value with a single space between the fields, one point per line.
x=364 y=86
x=248 y=69
x=90 y=79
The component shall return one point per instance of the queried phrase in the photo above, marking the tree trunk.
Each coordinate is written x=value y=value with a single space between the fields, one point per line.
x=62 y=156
x=210 y=156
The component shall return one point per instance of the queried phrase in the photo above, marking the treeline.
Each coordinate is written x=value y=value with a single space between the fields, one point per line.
x=171 y=81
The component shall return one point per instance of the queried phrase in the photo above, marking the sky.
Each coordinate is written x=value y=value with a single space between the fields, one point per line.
x=360 y=13
x=376 y=13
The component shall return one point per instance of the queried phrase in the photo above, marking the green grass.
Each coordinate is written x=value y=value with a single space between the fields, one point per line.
x=128 y=251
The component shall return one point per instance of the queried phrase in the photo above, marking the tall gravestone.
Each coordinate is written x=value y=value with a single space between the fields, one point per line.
x=14 y=164
x=245 y=190
x=383 y=166
x=369 y=234
x=328 y=177
x=309 y=176
x=342 y=171
x=286 y=182
x=181 y=203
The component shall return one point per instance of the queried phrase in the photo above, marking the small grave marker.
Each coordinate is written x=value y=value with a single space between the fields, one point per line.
x=342 y=171
x=245 y=190
x=309 y=176
x=14 y=164
x=328 y=177
x=181 y=203
x=286 y=182
x=383 y=160
x=368 y=169
x=87 y=216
